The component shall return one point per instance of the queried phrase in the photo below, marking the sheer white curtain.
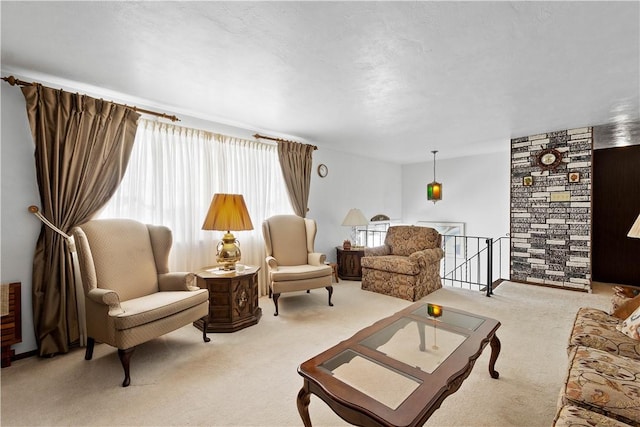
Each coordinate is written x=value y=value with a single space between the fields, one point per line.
x=172 y=176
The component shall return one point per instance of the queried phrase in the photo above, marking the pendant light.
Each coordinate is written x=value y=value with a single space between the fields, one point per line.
x=434 y=189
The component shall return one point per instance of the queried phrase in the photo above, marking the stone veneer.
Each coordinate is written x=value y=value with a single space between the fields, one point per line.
x=551 y=241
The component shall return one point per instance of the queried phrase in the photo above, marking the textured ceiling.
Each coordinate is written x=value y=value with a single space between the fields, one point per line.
x=389 y=80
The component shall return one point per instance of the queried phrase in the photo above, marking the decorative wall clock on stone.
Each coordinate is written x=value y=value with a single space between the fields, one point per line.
x=549 y=159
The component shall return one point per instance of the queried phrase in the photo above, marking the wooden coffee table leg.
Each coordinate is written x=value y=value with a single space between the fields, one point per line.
x=303 y=400
x=495 y=351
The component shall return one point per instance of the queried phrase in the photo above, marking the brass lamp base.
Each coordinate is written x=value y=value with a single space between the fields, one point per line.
x=228 y=252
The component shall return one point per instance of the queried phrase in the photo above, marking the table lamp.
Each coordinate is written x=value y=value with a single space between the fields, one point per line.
x=354 y=218
x=635 y=229
x=228 y=212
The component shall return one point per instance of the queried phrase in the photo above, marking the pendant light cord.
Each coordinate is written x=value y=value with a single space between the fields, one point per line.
x=434 y=165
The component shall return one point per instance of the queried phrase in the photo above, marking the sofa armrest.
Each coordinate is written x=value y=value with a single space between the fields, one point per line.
x=177 y=281
x=106 y=297
x=316 y=258
x=378 y=251
x=272 y=263
x=427 y=256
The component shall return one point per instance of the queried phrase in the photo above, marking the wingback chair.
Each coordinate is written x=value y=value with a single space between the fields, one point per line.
x=293 y=264
x=130 y=295
x=407 y=266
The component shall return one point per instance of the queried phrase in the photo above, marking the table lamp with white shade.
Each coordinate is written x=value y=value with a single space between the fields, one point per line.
x=355 y=218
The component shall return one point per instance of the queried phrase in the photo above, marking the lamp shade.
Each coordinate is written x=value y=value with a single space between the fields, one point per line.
x=355 y=217
x=227 y=212
x=434 y=191
x=635 y=229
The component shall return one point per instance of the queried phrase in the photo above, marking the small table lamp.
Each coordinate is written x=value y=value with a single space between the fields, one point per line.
x=354 y=218
x=635 y=229
x=228 y=212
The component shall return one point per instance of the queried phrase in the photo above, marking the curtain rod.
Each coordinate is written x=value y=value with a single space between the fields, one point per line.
x=13 y=81
x=258 y=136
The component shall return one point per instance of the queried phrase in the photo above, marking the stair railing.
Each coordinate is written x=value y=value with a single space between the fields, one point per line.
x=478 y=269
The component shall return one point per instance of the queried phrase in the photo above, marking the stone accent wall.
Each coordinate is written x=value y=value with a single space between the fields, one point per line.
x=551 y=218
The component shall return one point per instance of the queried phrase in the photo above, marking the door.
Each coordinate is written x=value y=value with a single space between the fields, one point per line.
x=616 y=205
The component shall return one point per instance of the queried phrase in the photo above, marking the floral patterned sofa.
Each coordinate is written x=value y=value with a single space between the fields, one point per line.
x=407 y=266
x=602 y=386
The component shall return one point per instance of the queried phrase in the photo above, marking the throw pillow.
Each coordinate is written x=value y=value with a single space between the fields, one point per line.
x=631 y=325
x=626 y=308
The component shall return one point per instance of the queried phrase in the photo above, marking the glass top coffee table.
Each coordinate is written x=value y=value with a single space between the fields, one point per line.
x=399 y=370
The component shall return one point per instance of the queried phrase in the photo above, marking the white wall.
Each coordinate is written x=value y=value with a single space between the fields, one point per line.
x=475 y=190
x=19 y=229
x=373 y=186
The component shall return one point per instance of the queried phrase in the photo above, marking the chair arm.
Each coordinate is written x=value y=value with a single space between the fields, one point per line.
x=377 y=251
x=316 y=258
x=177 y=281
x=427 y=256
x=272 y=263
x=106 y=297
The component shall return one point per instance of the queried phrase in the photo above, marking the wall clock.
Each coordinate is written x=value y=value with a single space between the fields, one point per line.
x=549 y=159
x=323 y=170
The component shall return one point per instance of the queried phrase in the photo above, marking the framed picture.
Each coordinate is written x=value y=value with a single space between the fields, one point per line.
x=527 y=181
x=573 y=177
x=449 y=231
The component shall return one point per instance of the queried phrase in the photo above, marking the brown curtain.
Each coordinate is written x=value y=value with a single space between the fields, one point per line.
x=296 y=162
x=82 y=147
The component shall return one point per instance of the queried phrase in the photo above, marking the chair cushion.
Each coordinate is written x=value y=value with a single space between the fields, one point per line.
x=574 y=416
x=149 y=308
x=603 y=382
x=596 y=329
x=287 y=239
x=300 y=272
x=391 y=263
x=407 y=239
x=127 y=245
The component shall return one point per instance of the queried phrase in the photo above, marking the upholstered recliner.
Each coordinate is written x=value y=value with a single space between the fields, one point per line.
x=293 y=264
x=130 y=295
x=407 y=266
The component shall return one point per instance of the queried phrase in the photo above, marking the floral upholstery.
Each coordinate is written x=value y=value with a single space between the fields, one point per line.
x=407 y=266
x=575 y=416
x=604 y=383
x=596 y=329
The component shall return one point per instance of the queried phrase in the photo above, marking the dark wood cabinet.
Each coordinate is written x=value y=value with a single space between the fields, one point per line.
x=349 y=267
x=233 y=299
x=10 y=320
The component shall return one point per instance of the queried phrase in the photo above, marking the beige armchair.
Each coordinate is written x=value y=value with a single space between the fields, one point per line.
x=130 y=295
x=407 y=266
x=293 y=264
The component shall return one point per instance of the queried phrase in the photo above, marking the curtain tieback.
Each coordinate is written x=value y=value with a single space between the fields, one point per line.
x=71 y=244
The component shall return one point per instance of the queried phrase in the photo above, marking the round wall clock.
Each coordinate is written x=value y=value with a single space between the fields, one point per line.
x=549 y=159
x=323 y=170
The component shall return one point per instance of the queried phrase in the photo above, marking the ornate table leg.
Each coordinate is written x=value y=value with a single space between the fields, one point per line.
x=495 y=351
x=303 y=400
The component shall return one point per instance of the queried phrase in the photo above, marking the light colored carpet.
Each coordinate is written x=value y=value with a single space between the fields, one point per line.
x=249 y=378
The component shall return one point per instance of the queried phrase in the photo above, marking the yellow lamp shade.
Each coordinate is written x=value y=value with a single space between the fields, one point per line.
x=228 y=212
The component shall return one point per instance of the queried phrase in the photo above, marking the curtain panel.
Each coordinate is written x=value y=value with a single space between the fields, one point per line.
x=82 y=147
x=172 y=176
x=295 y=162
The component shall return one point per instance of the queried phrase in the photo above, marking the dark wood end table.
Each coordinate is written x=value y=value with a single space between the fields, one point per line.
x=233 y=298
x=349 y=267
